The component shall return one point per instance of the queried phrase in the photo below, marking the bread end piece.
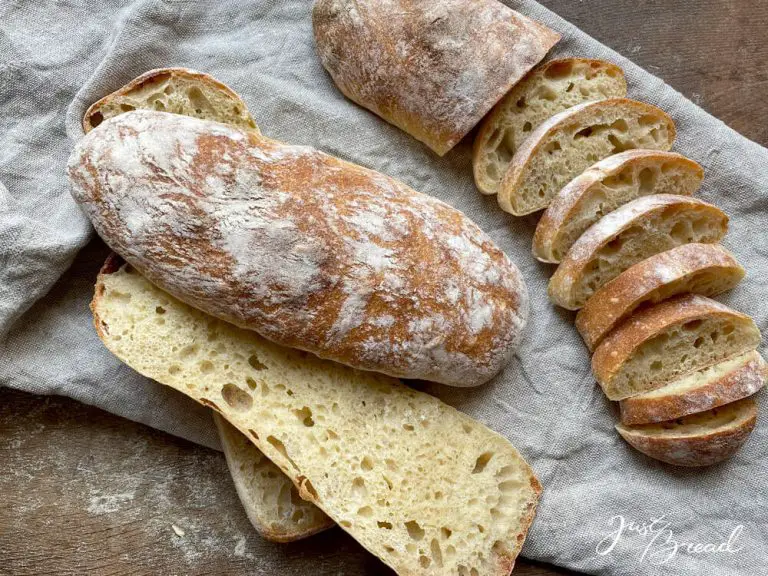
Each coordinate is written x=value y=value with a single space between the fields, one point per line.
x=177 y=90
x=701 y=439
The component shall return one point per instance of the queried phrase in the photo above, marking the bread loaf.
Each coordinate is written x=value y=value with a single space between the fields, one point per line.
x=547 y=90
x=176 y=90
x=706 y=269
x=670 y=340
x=430 y=67
x=270 y=499
x=701 y=439
x=607 y=185
x=628 y=235
x=424 y=487
x=567 y=144
x=699 y=391
x=310 y=251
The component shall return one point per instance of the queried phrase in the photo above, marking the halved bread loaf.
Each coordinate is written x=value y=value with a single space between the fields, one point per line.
x=669 y=340
x=564 y=146
x=547 y=90
x=610 y=183
x=628 y=235
x=701 y=439
x=712 y=387
x=177 y=90
x=424 y=487
x=706 y=269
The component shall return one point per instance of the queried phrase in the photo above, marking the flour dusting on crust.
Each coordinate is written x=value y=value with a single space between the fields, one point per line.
x=309 y=251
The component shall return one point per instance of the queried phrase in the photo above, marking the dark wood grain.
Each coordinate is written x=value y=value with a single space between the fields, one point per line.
x=85 y=492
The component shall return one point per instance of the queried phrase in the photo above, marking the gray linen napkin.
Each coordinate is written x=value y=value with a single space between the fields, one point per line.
x=600 y=496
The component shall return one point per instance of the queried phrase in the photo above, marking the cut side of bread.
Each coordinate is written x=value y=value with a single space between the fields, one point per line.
x=547 y=90
x=701 y=439
x=270 y=499
x=607 y=185
x=567 y=144
x=176 y=90
x=670 y=340
x=712 y=387
x=706 y=269
x=628 y=235
x=422 y=486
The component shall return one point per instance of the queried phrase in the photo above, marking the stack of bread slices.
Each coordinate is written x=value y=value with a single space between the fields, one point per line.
x=638 y=256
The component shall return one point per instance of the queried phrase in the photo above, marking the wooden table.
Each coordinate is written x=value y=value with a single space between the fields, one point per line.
x=85 y=492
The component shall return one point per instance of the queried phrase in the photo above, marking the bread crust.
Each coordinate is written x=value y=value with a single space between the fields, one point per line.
x=432 y=68
x=568 y=202
x=742 y=380
x=699 y=449
x=659 y=277
x=308 y=250
x=619 y=346
x=566 y=280
x=158 y=74
x=535 y=142
x=493 y=119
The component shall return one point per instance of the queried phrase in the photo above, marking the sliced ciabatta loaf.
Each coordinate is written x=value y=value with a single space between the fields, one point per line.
x=668 y=340
x=422 y=486
x=308 y=250
x=547 y=90
x=430 y=67
x=605 y=186
x=177 y=90
x=564 y=146
x=700 y=439
x=723 y=383
x=270 y=499
x=628 y=235
x=706 y=269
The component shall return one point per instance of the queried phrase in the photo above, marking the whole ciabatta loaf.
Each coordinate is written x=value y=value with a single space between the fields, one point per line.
x=308 y=250
x=422 y=486
x=430 y=67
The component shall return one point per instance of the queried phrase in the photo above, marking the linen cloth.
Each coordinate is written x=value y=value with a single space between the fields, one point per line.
x=58 y=57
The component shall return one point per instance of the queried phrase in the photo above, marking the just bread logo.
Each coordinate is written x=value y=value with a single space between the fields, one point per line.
x=657 y=542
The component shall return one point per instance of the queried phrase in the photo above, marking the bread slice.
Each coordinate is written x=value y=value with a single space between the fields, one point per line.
x=706 y=269
x=712 y=387
x=270 y=499
x=177 y=90
x=564 y=146
x=548 y=89
x=610 y=183
x=670 y=340
x=422 y=486
x=628 y=235
x=701 y=439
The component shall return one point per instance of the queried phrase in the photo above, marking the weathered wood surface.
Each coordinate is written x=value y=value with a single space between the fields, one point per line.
x=85 y=492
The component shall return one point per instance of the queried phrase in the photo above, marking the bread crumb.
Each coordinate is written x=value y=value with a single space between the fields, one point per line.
x=179 y=532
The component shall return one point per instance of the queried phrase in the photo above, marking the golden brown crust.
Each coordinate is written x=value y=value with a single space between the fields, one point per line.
x=657 y=278
x=619 y=346
x=309 y=251
x=566 y=284
x=158 y=75
x=702 y=448
x=432 y=68
x=568 y=202
x=493 y=119
x=534 y=143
